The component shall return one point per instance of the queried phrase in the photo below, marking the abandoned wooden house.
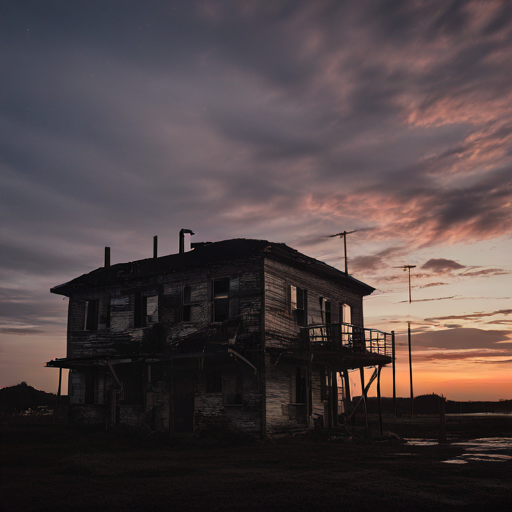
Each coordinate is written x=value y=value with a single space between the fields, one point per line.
x=240 y=334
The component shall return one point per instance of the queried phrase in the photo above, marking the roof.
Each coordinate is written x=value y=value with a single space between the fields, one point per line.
x=226 y=251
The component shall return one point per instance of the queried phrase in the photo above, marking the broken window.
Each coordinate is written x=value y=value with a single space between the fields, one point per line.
x=232 y=390
x=221 y=299
x=91 y=315
x=145 y=310
x=298 y=304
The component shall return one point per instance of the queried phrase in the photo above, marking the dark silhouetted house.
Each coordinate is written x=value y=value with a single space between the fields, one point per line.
x=240 y=334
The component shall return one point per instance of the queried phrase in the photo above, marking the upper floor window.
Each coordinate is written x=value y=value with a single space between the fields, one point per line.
x=298 y=304
x=187 y=306
x=221 y=299
x=145 y=310
x=91 y=315
x=326 y=307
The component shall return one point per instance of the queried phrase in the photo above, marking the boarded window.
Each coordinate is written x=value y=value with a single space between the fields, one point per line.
x=221 y=299
x=298 y=304
x=91 y=315
x=232 y=390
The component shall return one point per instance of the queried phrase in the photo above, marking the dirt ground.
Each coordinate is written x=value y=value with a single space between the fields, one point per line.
x=64 y=468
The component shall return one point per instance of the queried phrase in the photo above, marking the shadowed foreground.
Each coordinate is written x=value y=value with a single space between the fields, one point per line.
x=47 y=468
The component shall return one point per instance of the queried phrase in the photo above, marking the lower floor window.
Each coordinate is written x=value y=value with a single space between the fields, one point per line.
x=232 y=390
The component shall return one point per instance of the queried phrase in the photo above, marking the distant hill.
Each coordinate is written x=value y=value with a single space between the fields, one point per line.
x=22 y=397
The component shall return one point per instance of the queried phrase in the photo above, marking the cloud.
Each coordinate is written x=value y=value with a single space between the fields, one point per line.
x=430 y=285
x=442 y=265
x=486 y=272
x=461 y=339
x=472 y=316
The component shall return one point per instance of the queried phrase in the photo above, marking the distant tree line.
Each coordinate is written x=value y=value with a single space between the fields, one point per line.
x=15 y=399
x=429 y=404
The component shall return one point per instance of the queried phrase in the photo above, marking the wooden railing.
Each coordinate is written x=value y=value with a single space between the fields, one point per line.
x=333 y=337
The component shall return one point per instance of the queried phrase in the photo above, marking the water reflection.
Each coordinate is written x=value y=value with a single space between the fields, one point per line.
x=484 y=449
x=489 y=449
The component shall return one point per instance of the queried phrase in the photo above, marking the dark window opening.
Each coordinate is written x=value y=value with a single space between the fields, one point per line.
x=298 y=303
x=232 y=390
x=326 y=310
x=139 y=310
x=186 y=306
x=91 y=315
x=214 y=383
x=221 y=299
x=300 y=386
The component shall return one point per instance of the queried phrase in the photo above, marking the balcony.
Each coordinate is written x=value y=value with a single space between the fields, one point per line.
x=347 y=338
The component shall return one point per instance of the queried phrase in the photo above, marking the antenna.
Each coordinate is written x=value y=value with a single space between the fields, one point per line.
x=344 y=235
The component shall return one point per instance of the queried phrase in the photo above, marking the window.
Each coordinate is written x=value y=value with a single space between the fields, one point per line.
x=300 y=386
x=346 y=318
x=91 y=315
x=145 y=310
x=232 y=390
x=325 y=305
x=186 y=306
x=298 y=304
x=214 y=383
x=220 y=299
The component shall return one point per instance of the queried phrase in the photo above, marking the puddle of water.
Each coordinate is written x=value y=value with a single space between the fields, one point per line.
x=487 y=444
x=483 y=449
x=420 y=442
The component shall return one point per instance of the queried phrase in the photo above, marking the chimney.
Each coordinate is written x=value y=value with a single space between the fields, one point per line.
x=107 y=257
x=182 y=238
x=155 y=247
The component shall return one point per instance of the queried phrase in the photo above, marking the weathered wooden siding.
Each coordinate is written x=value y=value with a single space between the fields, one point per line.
x=281 y=330
x=122 y=337
x=282 y=413
x=211 y=412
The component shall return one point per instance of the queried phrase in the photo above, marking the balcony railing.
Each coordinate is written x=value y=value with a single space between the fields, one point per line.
x=333 y=337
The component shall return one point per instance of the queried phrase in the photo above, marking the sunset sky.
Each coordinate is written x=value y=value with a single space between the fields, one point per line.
x=279 y=120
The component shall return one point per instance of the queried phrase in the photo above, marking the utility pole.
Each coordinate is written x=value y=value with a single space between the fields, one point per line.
x=408 y=268
x=410 y=366
x=344 y=235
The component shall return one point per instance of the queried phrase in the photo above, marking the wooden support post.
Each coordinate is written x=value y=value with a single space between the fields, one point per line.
x=394 y=372
x=361 y=372
x=367 y=387
x=379 y=400
x=334 y=398
x=348 y=399
x=410 y=366
x=56 y=412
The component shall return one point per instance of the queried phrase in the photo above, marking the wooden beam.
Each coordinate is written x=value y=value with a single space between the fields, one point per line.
x=364 y=393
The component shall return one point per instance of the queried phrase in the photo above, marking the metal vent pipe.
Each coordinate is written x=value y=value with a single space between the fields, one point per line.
x=182 y=238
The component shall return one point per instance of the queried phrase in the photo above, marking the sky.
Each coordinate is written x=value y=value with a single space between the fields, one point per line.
x=287 y=121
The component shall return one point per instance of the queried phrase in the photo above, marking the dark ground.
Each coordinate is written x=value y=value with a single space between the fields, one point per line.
x=63 y=468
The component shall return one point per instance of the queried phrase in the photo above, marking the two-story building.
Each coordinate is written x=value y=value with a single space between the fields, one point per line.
x=243 y=334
